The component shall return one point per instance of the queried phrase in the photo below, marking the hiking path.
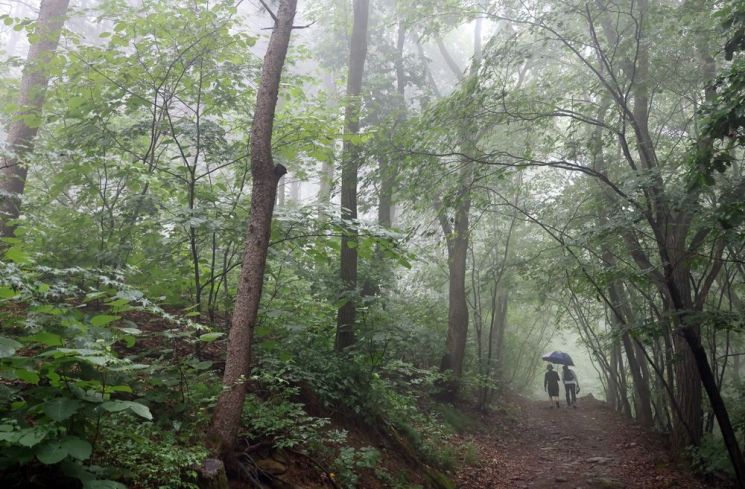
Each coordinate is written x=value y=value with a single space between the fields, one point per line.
x=587 y=447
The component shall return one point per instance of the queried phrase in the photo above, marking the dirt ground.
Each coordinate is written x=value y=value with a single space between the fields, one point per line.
x=588 y=447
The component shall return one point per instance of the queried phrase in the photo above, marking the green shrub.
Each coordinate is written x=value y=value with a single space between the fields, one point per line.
x=152 y=458
x=63 y=380
x=711 y=457
x=351 y=461
x=284 y=423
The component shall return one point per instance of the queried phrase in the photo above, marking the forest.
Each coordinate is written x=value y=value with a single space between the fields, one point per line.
x=291 y=244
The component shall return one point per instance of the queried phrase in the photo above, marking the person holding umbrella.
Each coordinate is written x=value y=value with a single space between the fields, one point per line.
x=571 y=385
x=551 y=384
x=562 y=359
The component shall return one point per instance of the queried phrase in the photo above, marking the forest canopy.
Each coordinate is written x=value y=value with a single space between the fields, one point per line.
x=333 y=235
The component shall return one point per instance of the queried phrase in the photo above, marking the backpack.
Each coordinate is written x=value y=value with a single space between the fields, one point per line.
x=568 y=375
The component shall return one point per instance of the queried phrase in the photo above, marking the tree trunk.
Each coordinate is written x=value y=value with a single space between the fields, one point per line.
x=688 y=429
x=645 y=375
x=347 y=316
x=693 y=339
x=266 y=175
x=612 y=394
x=622 y=319
x=455 y=344
x=211 y=475
x=457 y=241
x=643 y=398
x=623 y=387
x=27 y=119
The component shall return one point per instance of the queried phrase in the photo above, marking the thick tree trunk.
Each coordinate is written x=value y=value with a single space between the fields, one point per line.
x=266 y=175
x=27 y=119
x=347 y=316
x=455 y=345
x=688 y=429
x=211 y=475
x=457 y=240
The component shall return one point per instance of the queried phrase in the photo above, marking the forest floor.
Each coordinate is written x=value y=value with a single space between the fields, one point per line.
x=588 y=447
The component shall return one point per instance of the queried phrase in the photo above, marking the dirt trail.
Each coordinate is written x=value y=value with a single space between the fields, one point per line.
x=590 y=447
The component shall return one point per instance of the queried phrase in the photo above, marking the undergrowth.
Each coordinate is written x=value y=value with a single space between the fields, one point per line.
x=87 y=391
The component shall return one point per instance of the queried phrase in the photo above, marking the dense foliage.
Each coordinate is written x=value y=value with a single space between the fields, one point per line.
x=533 y=175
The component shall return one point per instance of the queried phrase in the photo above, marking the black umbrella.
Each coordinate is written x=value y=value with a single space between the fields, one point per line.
x=558 y=357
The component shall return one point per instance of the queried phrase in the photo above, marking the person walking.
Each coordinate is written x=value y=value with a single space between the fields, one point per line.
x=551 y=384
x=571 y=386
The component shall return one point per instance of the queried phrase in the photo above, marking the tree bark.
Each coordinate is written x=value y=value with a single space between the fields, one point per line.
x=612 y=393
x=455 y=344
x=622 y=319
x=211 y=475
x=693 y=339
x=266 y=175
x=25 y=124
x=457 y=238
x=351 y=152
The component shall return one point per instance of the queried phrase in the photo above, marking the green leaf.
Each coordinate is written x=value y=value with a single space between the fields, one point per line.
x=17 y=255
x=135 y=407
x=50 y=309
x=28 y=376
x=8 y=347
x=51 y=453
x=7 y=293
x=45 y=338
x=9 y=436
x=77 y=447
x=114 y=406
x=31 y=437
x=61 y=408
x=141 y=410
x=210 y=337
x=103 y=319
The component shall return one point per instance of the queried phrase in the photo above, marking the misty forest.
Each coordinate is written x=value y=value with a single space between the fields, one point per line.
x=295 y=244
